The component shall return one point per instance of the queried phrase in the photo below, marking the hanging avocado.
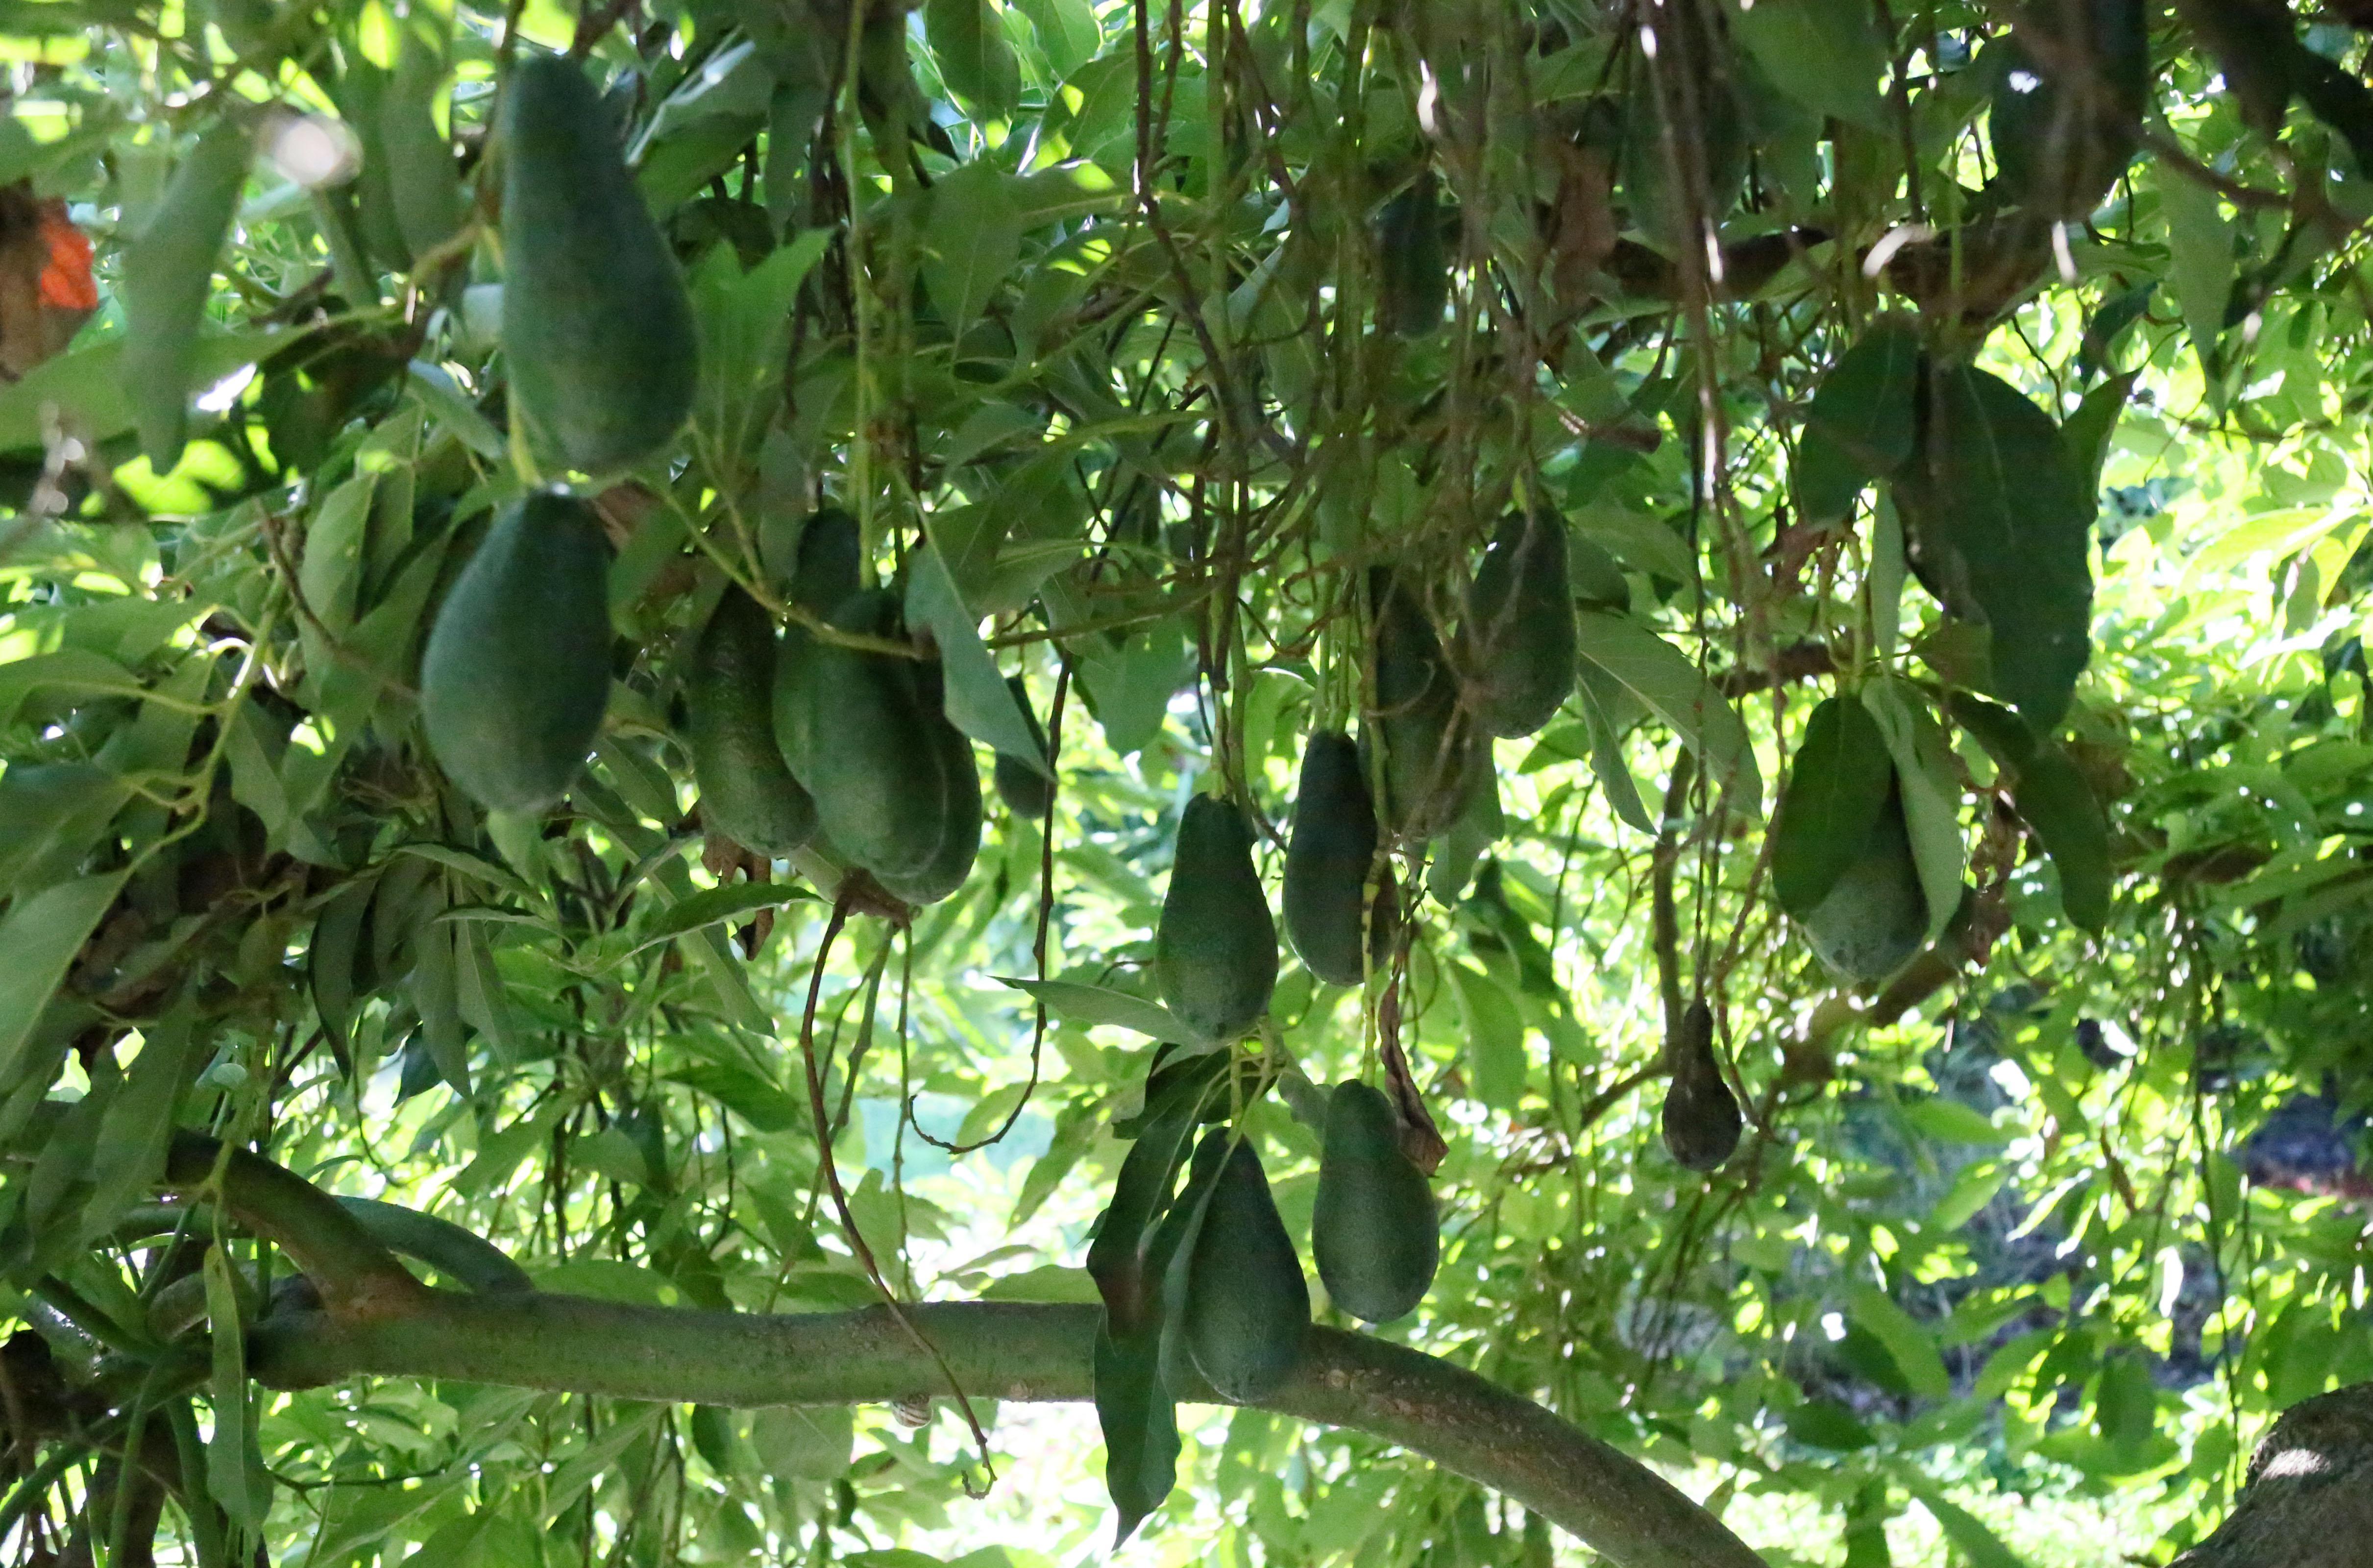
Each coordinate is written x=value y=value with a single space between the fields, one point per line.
x=597 y=333
x=828 y=571
x=515 y=674
x=1414 y=715
x=1701 y=1122
x=1215 y=946
x=1372 y=1230
x=1328 y=859
x=1875 y=917
x=1520 y=626
x=1248 y=1308
x=746 y=792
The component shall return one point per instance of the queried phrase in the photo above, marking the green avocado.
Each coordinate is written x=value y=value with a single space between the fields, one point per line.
x=1215 y=946
x=960 y=842
x=890 y=790
x=517 y=670
x=597 y=332
x=1520 y=628
x=1412 y=269
x=828 y=570
x=746 y=792
x=1701 y=1122
x=1372 y=1230
x=1025 y=792
x=1329 y=859
x=1875 y=917
x=1414 y=716
x=1248 y=1308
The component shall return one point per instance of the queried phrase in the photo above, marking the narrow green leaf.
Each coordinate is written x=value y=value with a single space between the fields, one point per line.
x=1911 y=1347
x=2200 y=256
x=1932 y=798
x=971 y=240
x=714 y=906
x=1837 y=785
x=1066 y=32
x=1495 y=1037
x=1600 y=696
x=2051 y=797
x=977 y=701
x=168 y=271
x=234 y=1467
x=1082 y=1003
x=1827 y=54
x=424 y=184
x=39 y=939
x=1675 y=690
x=1970 y=1535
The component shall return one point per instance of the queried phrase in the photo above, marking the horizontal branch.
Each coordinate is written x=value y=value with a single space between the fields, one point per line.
x=1004 y=1351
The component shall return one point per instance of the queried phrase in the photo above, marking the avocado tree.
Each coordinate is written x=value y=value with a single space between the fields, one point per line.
x=1494 y=763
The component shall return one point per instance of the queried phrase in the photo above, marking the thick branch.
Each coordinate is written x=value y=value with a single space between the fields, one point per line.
x=1008 y=1351
x=355 y=1276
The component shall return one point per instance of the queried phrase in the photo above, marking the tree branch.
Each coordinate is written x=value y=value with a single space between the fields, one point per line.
x=1010 y=1351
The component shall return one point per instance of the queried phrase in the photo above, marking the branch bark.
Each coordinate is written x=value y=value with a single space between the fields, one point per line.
x=1010 y=1351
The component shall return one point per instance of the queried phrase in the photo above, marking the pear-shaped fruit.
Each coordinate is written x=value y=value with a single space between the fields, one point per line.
x=1215 y=946
x=1025 y=792
x=1372 y=1232
x=1328 y=859
x=1701 y=1122
x=746 y=792
x=597 y=333
x=1520 y=626
x=1875 y=917
x=1414 y=716
x=1248 y=1308
x=515 y=674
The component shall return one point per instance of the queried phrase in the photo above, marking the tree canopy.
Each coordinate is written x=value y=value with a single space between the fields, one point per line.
x=1748 y=616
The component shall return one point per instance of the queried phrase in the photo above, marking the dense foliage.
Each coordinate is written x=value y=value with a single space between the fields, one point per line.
x=1947 y=422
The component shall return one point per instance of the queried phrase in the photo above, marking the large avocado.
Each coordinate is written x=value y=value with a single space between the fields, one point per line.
x=746 y=792
x=1215 y=946
x=597 y=332
x=890 y=793
x=1329 y=859
x=1520 y=628
x=1025 y=792
x=828 y=571
x=1372 y=1232
x=1875 y=917
x=517 y=670
x=1248 y=1308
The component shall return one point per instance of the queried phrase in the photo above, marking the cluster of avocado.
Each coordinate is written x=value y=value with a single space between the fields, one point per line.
x=602 y=356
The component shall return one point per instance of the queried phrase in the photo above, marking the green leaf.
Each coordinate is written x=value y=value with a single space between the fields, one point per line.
x=1602 y=697
x=1952 y=1122
x=234 y=1465
x=424 y=184
x=1825 y=1424
x=1911 y=1347
x=2088 y=431
x=971 y=240
x=1140 y=1426
x=976 y=61
x=2051 y=797
x=804 y=1442
x=1495 y=1037
x=130 y=1153
x=978 y=701
x=1925 y=778
x=2200 y=256
x=168 y=271
x=39 y=939
x=1827 y=54
x=1066 y=32
x=714 y=906
x=92 y=392
x=1969 y=1534
x=1836 y=786
x=1860 y=426
x=2000 y=529
x=1672 y=686
x=1079 y=1003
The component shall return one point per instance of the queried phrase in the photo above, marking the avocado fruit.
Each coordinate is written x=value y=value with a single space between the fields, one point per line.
x=1874 y=917
x=1414 y=719
x=1025 y=792
x=746 y=791
x=1412 y=268
x=1701 y=1122
x=1329 y=859
x=1215 y=946
x=1521 y=643
x=598 y=336
x=1373 y=1230
x=516 y=674
x=1246 y=1307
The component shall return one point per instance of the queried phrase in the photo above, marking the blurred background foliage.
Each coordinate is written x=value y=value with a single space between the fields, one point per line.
x=1156 y=324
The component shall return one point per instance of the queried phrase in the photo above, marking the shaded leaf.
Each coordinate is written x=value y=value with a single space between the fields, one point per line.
x=168 y=273
x=1671 y=685
x=1836 y=786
